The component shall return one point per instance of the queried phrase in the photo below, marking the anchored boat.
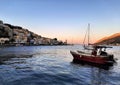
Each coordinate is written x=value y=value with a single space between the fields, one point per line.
x=97 y=55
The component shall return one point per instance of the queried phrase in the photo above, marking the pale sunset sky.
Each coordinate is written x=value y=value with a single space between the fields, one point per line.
x=64 y=19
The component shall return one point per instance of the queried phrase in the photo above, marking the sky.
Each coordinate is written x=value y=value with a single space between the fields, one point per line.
x=64 y=19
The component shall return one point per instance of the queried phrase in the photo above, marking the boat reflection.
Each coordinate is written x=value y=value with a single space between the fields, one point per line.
x=98 y=75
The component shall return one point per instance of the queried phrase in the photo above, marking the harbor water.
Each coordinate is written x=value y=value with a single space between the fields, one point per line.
x=52 y=65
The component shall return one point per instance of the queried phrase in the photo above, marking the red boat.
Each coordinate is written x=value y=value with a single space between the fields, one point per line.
x=98 y=54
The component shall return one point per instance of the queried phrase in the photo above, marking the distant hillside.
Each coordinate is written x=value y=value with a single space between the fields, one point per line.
x=110 y=40
x=14 y=35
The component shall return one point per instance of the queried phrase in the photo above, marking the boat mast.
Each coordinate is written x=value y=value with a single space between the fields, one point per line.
x=88 y=34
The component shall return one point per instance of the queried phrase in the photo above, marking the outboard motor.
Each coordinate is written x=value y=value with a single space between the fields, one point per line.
x=111 y=58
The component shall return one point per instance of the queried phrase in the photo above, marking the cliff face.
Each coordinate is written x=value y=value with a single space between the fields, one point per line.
x=110 y=40
x=17 y=34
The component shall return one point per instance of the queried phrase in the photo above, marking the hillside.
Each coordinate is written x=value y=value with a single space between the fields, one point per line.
x=110 y=40
x=14 y=35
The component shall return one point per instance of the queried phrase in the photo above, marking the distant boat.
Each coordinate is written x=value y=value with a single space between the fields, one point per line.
x=97 y=54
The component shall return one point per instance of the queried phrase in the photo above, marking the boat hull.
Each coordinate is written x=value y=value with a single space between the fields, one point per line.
x=90 y=59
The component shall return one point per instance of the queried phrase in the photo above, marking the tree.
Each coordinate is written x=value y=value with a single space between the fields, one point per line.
x=55 y=39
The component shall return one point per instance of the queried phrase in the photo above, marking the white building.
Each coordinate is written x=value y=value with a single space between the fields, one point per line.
x=3 y=40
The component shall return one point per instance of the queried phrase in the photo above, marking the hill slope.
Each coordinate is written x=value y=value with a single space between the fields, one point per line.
x=110 y=40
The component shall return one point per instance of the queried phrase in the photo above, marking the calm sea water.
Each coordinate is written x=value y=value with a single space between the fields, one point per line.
x=52 y=65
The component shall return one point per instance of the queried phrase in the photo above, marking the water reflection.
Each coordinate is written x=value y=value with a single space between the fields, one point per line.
x=11 y=56
x=97 y=76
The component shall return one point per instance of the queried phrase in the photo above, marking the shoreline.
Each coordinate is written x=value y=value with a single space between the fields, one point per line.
x=34 y=45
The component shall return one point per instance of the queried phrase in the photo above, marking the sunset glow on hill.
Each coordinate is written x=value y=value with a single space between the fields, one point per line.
x=109 y=37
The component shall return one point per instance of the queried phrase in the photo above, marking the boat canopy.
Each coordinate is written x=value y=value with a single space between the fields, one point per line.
x=101 y=46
